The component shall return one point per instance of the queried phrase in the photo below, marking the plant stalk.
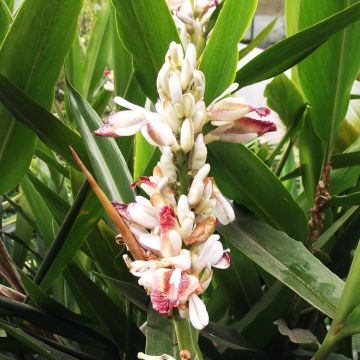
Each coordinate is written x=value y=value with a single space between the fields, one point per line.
x=326 y=347
x=349 y=300
x=187 y=338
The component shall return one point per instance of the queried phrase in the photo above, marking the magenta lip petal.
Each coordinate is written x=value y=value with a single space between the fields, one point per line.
x=262 y=111
x=105 y=130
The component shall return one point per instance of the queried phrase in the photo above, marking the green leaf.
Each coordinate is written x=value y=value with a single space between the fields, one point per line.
x=343 y=179
x=284 y=97
x=54 y=324
x=334 y=65
x=243 y=177
x=310 y=150
x=143 y=154
x=74 y=64
x=106 y=158
x=219 y=59
x=257 y=325
x=132 y=292
x=290 y=51
x=42 y=349
x=47 y=157
x=287 y=260
x=97 y=52
x=47 y=127
x=146 y=29
x=258 y=39
x=105 y=309
x=160 y=336
x=45 y=222
x=225 y=335
x=333 y=228
x=122 y=60
x=47 y=27
x=57 y=205
x=78 y=224
x=242 y=276
x=351 y=199
x=6 y=18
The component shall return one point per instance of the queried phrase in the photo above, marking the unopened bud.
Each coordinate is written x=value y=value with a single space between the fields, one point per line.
x=175 y=54
x=199 y=153
x=187 y=135
x=186 y=74
x=166 y=164
x=188 y=105
x=175 y=90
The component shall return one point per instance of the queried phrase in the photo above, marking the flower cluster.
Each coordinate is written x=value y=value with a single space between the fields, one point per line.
x=175 y=223
x=192 y=19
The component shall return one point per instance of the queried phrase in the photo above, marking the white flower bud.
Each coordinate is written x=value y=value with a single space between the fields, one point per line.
x=168 y=115
x=195 y=193
x=162 y=79
x=179 y=109
x=184 y=17
x=175 y=90
x=199 y=153
x=186 y=74
x=190 y=55
x=167 y=165
x=158 y=133
x=175 y=54
x=187 y=135
x=189 y=105
x=199 y=117
x=183 y=208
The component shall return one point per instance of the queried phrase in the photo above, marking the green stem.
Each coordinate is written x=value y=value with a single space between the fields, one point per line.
x=349 y=300
x=326 y=347
x=187 y=338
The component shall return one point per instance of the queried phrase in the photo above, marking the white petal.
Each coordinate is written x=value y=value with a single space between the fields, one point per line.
x=187 y=135
x=199 y=154
x=160 y=133
x=128 y=105
x=183 y=207
x=175 y=88
x=198 y=315
x=150 y=242
x=143 y=215
x=190 y=54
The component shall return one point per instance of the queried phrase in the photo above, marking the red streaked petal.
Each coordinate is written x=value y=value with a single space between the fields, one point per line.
x=224 y=262
x=165 y=296
x=249 y=125
x=167 y=218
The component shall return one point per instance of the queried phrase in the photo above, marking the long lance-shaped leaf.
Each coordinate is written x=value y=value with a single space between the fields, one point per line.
x=55 y=134
x=31 y=56
x=105 y=156
x=254 y=185
x=97 y=52
x=287 y=260
x=62 y=234
x=290 y=51
x=219 y=59
x=335 y=65
x=39 y=347
x=127 y=235
x=146 y=29
x=80 y=333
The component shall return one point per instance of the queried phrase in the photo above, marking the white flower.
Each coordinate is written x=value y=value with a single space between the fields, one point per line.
x=198 y=315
